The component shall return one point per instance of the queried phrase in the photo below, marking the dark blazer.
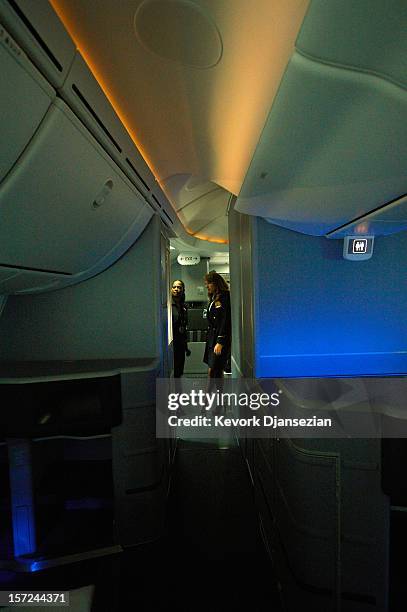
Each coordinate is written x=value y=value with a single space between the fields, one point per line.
x=219 y=319
x=180 y=324
x=219 y=330
x=179 y=334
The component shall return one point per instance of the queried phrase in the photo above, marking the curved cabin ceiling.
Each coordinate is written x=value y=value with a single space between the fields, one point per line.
x=193 y=82
x=300 y=113
x=202 y=206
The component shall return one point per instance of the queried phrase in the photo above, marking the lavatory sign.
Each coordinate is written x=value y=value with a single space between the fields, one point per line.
x=358 y=248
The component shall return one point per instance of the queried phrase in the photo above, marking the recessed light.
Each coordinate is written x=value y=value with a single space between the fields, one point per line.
x=180 y=31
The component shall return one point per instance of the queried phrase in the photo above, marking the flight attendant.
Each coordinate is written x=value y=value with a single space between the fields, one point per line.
x=179 y=327
x=219 y=335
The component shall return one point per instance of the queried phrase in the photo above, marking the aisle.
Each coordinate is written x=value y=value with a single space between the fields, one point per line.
x=212 y=556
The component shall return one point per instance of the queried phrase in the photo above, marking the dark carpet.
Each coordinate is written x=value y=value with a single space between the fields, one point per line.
x=212 y=556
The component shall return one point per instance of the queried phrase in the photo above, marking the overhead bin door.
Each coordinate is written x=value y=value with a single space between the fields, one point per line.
x=13 y=280
x=39 y=31
x=65 y=205
x=25 y=98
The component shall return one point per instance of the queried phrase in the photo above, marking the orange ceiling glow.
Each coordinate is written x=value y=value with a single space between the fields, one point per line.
x=97 y=73
x=198 y=118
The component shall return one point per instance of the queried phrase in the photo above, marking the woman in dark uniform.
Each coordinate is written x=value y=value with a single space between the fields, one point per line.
x=218 y=341
x=179 y=327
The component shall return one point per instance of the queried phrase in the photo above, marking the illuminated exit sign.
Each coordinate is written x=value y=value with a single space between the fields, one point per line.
x=358 y=248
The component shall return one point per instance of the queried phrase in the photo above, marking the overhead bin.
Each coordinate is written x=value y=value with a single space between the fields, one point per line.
x=332 y=150
x=66 y=205
x=369 y=36
x=13 y=280
x=23 y=102
x=75 y=192
x=38 y=30
x=383 y=221
x=84 y=95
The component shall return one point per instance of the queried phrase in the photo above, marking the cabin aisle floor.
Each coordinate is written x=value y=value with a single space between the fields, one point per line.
x=212 y=556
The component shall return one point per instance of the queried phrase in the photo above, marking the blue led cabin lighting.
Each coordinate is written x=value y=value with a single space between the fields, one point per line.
x=22 y=496
x=318 y=314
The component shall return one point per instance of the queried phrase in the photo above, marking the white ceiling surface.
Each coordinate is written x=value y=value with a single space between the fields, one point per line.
x=222 y=97
x=202 y=206
x=193 y=81
x=218 y=254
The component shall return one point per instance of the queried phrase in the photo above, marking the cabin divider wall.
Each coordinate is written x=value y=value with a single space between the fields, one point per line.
x=115 y=323
x=324 y=515
x=241 y=240
x=318 y=314
x=110 y=316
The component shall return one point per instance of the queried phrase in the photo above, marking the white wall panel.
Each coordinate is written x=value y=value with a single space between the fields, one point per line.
x=113 y=315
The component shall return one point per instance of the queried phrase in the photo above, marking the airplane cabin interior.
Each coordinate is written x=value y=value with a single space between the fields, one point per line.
x=149 y=141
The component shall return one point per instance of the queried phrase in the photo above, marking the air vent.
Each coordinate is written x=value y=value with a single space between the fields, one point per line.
x=168 y=217
x=156 y=200
x=35 y=34
x=6 y=265
x=96 y=118
x=137 y=174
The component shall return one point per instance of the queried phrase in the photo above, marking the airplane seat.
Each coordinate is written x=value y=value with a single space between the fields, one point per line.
x=59 y=486
x=80 y=407
x=112 y=335
x=316 y=515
